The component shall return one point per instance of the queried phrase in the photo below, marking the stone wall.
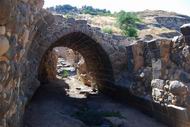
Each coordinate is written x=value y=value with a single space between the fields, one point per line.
x=172 y=87
x=158 y=70
x=17 y=19
x=69 y=55
x=48 y=67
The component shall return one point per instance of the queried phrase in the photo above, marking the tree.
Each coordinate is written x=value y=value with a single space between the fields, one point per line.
x=95 y=11
x=62 y=9
x=127 y=22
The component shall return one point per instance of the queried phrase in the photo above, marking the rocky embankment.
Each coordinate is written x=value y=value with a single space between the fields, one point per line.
x=160 y=23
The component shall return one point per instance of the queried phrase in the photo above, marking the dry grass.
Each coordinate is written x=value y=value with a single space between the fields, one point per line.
x=110 y=22
x=102 y=22
x=154 y=31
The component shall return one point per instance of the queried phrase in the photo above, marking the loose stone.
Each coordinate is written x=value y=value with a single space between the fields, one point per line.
x=4 y=45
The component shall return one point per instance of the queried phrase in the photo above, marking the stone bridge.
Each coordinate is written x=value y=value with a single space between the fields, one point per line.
x=151 y=74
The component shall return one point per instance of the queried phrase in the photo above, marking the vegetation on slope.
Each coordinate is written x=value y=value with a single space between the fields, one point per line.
x=64 y=9
x=94 y=11
x=127 y=22
x=107 y=30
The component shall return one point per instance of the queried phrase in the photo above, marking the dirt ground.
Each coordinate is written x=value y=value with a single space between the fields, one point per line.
x=68 y=103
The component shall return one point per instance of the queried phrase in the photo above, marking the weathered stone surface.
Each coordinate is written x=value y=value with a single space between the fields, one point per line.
x=25 y=36
x=187 y=40
x=185 y=51
x=172 y=22
x=83 y=73
x=2 y=30
x=178 y=88
x=48 y=66
x=25 y=1
x=170 y=92
x=5 y=9
x=82 y=22
x=165 y=46
x=157 y=95
x=175 y=39
x=185 y=29
x=156 y=68
x=158 y=83
x=81 y=67
x=4 y=45
x=138 y=55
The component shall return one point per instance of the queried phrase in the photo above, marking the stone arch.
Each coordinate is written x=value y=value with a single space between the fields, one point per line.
x=76 y=35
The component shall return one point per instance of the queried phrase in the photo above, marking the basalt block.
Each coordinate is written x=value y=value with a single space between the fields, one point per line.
x=5 y=9
x=185 y=29
x=4 y=45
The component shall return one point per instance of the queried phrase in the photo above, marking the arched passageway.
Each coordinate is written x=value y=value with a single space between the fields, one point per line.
x=78 y=36
x=96 y=58
x=52 y=106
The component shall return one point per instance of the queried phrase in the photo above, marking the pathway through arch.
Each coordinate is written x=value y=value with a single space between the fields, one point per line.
x=53 y=106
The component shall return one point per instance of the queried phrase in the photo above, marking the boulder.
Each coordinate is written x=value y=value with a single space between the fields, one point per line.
x=185 y=51
x=157 y=94
x=175 y=39
x=185 y=29
x=4 y=45
x=177 y=88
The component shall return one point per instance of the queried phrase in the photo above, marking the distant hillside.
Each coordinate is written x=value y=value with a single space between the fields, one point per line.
x=157 y=23
x=161 y=23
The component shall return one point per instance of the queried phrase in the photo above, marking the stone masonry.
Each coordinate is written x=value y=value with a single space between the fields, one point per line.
x=155 y=69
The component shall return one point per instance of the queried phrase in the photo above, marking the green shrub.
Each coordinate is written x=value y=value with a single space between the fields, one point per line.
x=131 y=32
x=95 y=11
x=127 y=22
x=65 y=9
x=65 y=73
x=107 y=30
